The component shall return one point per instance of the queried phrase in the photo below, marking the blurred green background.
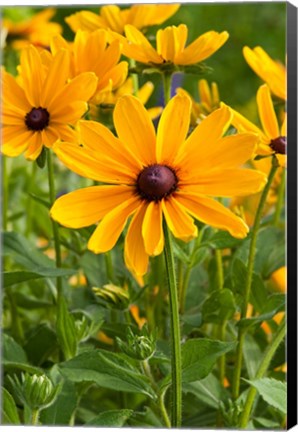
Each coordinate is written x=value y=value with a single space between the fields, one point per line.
x=248 y=23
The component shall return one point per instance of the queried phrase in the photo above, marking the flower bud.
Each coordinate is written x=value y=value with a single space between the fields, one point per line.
x=138 y=346
x=113 y=296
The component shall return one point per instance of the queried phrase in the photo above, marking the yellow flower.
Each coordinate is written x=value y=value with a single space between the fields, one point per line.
x=111 y=97
x=209 y=100
x=36 y=30
x=170 y=45
x=272 y=138
x=271 y=71
x=40 y=107
x=154 y=176
x=113 y=18
x=91 y=53
x=279 y=278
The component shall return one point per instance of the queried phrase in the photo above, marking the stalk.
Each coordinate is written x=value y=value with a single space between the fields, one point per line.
x=280 y=199
x=175 y=331
x=5 y=194
x=249 y=276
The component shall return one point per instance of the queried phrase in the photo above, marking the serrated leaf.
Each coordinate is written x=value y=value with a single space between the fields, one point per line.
x=16 y=277
x=12 y=351
x=66 y=330
x=108 y=370
x=112 y=418
x=219 y=306
x=200 y=355
x=274 y=392
x=208 y=391
x=9 y=409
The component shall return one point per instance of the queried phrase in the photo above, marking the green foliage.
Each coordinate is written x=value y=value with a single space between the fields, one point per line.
x=274 y=392
x=9 y=409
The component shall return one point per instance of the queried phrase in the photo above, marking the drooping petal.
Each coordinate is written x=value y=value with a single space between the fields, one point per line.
x=242 y=124
x=92 y=165
x=267 y=113
x=112 y=16
x=34 y=146
x=49 y=136
x=109 y=229
x=180 y=223
x=135 y=128
x=172 y=129
x=226 y=182
x=136 y=258
x=84 y=207
x=212 y=213
x=139 y=46
x=152 y=229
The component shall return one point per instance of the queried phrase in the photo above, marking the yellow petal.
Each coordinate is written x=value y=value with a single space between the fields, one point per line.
x=92 y=165
x=109 y=229
x=138 y=47
x=212 y=128
x=180 y=223
x=142 y=16
x=212 y=213
x=34 y=146
x=112 y=16
x=85 y=20
x=242 y=124
x=226 y=182
x=136 y=258
x=32 y=75
x=84 y=207
x=170 y=41
x=14 y=140
x=135 y=128
x=152 y=229
x=267 y=113
x=172 y=129
x=204 y=92
x=68 y=114
x=283 y=130
x=13 y=94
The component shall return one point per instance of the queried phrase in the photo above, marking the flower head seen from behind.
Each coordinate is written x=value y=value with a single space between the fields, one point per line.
x=36 y=30
x=271 y=71
x=39 y=106
x=90 y=52
x=114 y=18
x=170 y=45
x=152 y=177
x=272 y=137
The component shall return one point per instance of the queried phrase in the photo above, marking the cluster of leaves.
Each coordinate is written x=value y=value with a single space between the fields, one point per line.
x=100 y=369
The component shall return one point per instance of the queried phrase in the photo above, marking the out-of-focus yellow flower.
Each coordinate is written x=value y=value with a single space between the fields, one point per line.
x=111 y=97
x=279 y=278
x=170 y=45
x=272 y=137
x=42 y=104
x=271 y=71
x=104 y=338
x=113 y=18
x=90 y=52
x=36 y=30
x=209 y=100
x=135 y=312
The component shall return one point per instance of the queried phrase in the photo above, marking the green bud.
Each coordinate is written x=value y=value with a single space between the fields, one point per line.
x=35 y=391
x=113 y=296
x=138 y=346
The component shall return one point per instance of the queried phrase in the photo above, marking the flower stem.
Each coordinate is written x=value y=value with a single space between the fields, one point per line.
x=109 y=266
x=135 y=78
x=52 y=194
x=280 y=199
x=175 y=331
x=249 y=277
x=29 y=200
x=265 y=363
x=163 y=410
x=34 y=417
x=5 y=193
x=167 y=80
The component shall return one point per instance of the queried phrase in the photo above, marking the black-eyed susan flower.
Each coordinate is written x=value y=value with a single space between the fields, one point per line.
x=271 y=71
x=170 y=45
x=113 y=18
x=272 y=137
x=41 y=105
x=153 y=176
x=90 y=52
x=36 y=30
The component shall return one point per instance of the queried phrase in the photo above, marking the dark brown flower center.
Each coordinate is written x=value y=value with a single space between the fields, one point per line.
x=37 y=119
x=279 y=145
x=156 y=182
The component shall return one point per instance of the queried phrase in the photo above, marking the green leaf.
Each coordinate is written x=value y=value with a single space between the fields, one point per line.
x=199 y=357
x=252 y=354
x=107 y=370
x=42 y=158
x=223 y=240
x=66 y=330
x=41 y=342
x=13 y=366
x=61 y=411
x=219 y=306
x=274 y=392
x=274 y=304
x=208 y=391
x=16 y=277
x=12 y=351
x=113 y=418
x=9 y=409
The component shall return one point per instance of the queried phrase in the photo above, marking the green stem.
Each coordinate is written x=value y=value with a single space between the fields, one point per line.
x=265 y=363
x=163 y=410
x=52 y=194
x=29 y=200
x=135 y=78
x=249 y=277
x=109 y=266
x=34 y=417
x=222 y=326
x=167 y=80
x=5 y=193
x=280 y=198
x=175 y=331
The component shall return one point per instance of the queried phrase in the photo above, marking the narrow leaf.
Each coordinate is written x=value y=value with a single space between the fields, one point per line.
x=9 y=409
x=66 y=330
